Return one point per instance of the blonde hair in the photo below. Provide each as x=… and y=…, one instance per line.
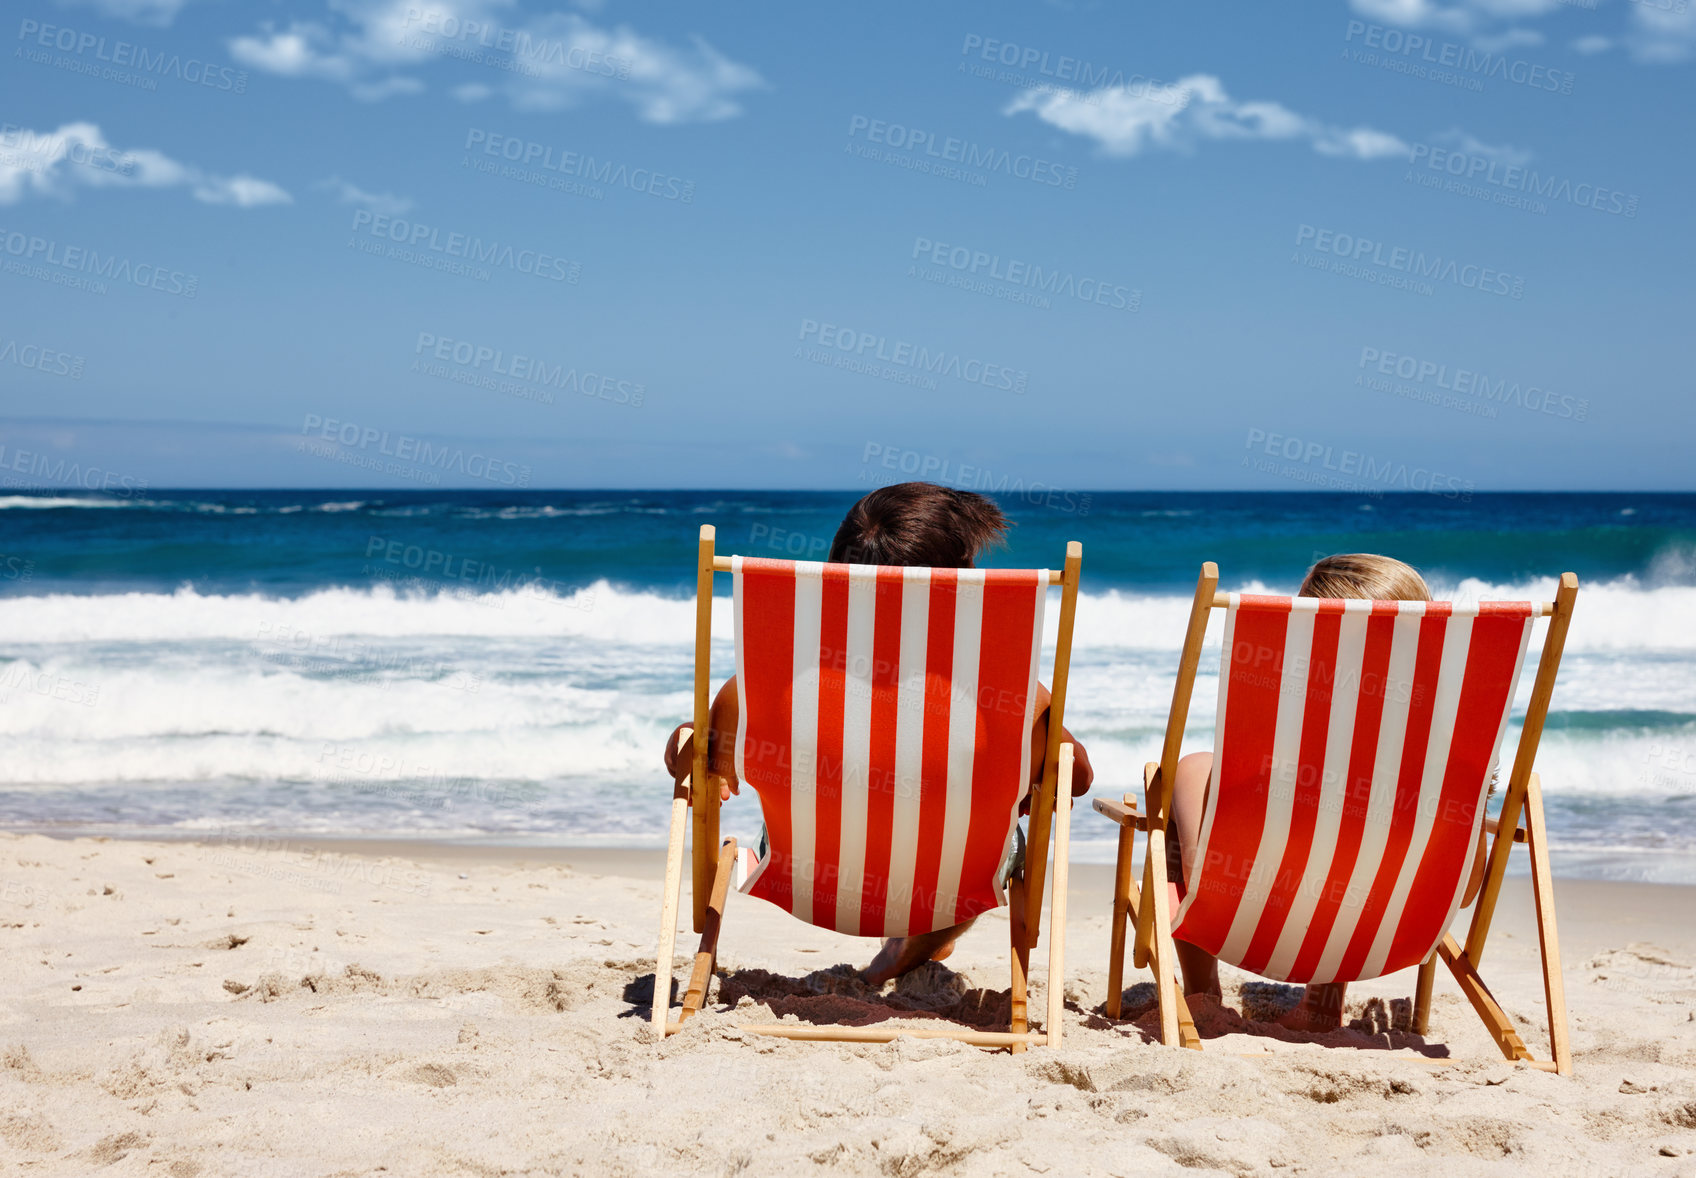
x=1365, y=575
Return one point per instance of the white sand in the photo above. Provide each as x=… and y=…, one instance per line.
x=180, y=1010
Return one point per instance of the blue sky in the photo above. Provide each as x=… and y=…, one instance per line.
x=1388, y=243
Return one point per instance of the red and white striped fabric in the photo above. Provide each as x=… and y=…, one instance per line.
x=1354, y=747
x=885, y=722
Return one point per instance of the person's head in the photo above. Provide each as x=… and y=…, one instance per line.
x=918, y=524
x=1365, y=575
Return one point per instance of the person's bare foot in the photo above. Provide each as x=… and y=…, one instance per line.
x=1201, y=971
x=883, y=967
x=902, y=955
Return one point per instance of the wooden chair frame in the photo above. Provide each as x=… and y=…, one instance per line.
x=1521, y=823
x=712, y=868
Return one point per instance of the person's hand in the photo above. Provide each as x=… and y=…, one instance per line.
x=1083, y=773
x=1083, y=776
x=680, y=762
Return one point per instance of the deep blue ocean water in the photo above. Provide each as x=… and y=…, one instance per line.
x=503, y=667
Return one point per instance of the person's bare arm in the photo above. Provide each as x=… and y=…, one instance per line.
x=721, y=744
x=1083, y=774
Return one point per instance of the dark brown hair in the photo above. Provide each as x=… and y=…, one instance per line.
x=918, y=524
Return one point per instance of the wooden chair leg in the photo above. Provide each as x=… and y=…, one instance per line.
x=1162, y=954
x=1143, y=942
x=1021, y=960
x=668, y=908
x=1122, y=886
x=707, y=956
x=1055, y=1021
x=1495, y=1019
x=1142, y=926
x=1187, y=1035
x=1543, y=892
x=1422, y=994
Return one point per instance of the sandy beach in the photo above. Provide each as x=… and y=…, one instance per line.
x=284, y=1008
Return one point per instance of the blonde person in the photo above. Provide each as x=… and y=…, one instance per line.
x=1357, y=575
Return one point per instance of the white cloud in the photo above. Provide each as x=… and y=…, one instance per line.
x=1415, y=14
x=387, y=88
x=1464, y=18
x=1125, y=120
x=56, y=163
x=242, y=191
x=1662, y=35
x=1507, y=39
x=1505, y=154
x=378, y=202
x=158, y=13
x=541, y=62
x=1362, y=143
x=1657, y=31
x=300, y=51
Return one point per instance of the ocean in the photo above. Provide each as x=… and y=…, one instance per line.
x=503, y=668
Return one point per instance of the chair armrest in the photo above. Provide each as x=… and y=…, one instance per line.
x=1124, y=813
x=1491, y=826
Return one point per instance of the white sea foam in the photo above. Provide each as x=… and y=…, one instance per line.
x=1612, y=617
x=343, y=708
x=44, y=502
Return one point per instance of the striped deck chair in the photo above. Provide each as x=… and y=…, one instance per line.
x=885, y=718
x=1355, y=742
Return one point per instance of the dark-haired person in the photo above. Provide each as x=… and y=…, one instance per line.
x=908, y=524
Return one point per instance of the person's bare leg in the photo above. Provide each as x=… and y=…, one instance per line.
x=1189, y=798
x=1320, y=1008
x=901, y=955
